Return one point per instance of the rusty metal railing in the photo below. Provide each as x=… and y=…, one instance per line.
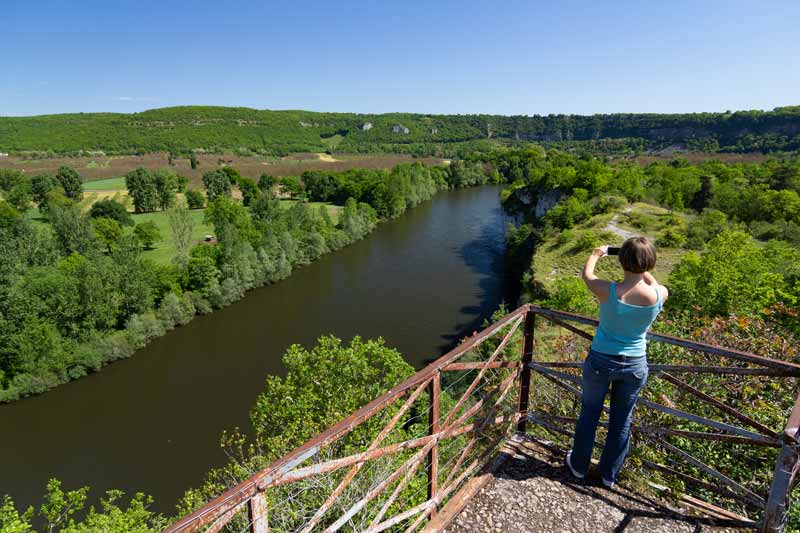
x=656, y=422
x=433, y=432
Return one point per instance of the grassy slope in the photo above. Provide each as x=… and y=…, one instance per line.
x=226, y=128
x=555, y=258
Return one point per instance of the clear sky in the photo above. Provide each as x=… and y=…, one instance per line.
x=506, y=57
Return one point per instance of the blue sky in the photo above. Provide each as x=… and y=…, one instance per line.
x=506, y=57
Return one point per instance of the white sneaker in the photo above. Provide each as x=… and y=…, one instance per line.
x=569, y=464
x=607, y=484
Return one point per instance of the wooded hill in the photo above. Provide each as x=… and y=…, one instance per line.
x=244, y=130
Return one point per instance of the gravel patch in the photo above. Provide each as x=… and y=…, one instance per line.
x=533, y=492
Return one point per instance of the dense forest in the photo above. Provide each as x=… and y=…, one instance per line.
x=181, y=130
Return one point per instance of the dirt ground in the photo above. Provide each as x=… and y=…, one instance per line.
x=94, y=168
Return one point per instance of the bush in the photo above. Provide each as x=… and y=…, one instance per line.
x=142, y=328
x=604, y=204
x=587, y=240
x=195, y=199
x=570, y=294
x=736, y=276
x=110, y=208
x=147, y=233
x=565, y=237
x=671, y=238
x=199, y=302
x=175, y=310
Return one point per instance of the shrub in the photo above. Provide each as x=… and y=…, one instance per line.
x=570, y=294
x=587, y=241
x=565, y=237
x=142, y=328
x=110, y=208
x=671, y=238
x=147, y=233
x=195, y=199
x=175, y=310
x=606, y=203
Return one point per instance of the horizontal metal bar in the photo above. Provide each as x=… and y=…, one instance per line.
x=570, y=327
x=719, y=490
x=478, y=365
x=733, y=485
x=659, y=431
x=691, y=369
x=336, y=464
x=722, y=426
x=692, y=345
x=405, y=515
x=725, y=408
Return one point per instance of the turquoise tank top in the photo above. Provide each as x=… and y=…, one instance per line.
x=623, y=327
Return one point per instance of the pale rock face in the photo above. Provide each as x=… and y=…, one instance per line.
x=547, y=201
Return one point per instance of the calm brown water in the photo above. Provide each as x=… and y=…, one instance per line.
x=152, y=423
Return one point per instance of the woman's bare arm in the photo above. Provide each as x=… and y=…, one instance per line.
x=598, y=286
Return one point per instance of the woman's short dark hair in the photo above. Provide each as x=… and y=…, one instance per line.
x=637, y=255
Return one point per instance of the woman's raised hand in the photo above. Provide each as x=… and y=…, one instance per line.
x=600, y=251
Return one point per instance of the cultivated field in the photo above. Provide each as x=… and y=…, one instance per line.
x=101, y=168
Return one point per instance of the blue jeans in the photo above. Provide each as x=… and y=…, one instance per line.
x=626, y=377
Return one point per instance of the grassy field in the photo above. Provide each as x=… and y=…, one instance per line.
x=108, y=184
x=102, y=173
x=164, y=250
x=562, y=254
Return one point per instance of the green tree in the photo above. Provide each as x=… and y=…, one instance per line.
x=195, y=199
x=20, y=195
x=10, y=178
x=147, y=233
x=71, y=182
x=233, y=175
x=736, y=276
x=183, y=182
x=181, y=225
x=217, y=184
x=42, y=184
x=193, y=161
x=73, y=230
x=266, y=182
x=230, y=219
x=250, y=190
x=108, y=231
x=166, y=183
x=292, y=185
x=60, y=509
x=110, y=208
x=143, y=190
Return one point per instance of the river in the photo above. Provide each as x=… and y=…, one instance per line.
x=152, y=423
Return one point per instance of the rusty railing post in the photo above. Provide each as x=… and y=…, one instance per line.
x=435, y=389
x=525, y=372
x=779, y=499
x=786, y=467
x=257, y=513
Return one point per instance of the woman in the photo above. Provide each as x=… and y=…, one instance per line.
x=617, y=359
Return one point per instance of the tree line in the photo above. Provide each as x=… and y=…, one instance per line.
x=181, y=130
